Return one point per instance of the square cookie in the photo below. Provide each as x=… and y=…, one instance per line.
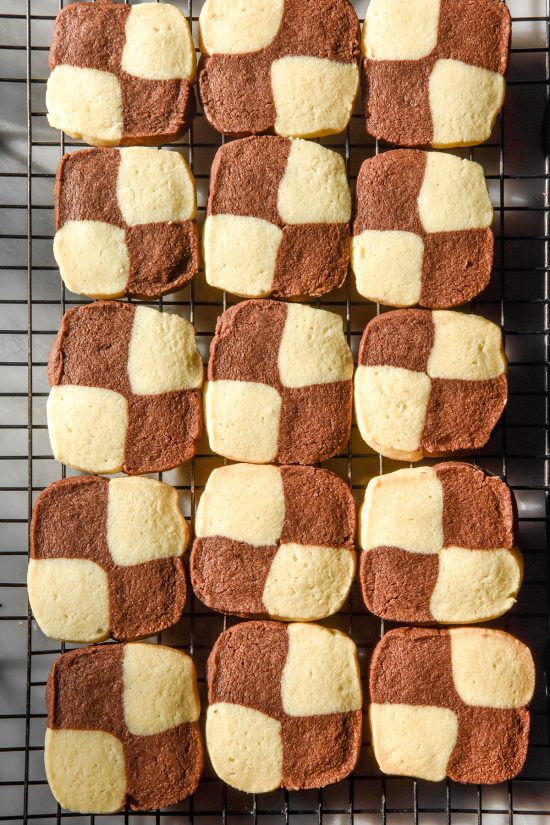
x=106, y=559
x=125, y=222
x=122, y=728
x=284, y=706
x=451, y=703
x=274, y=541
x=121, y=74
x=125, y=391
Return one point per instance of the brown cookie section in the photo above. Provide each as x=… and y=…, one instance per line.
x=398, y=585
x=163, y=431
x=478, y=510
x=155, y=111
x=70, y=521
x=312, y=259
x=91, y=348
x=230, y=576
x=315, y=422
x=462, y=414
x=401, y=338
x=319, y=750
x=245, y=178
x=85, y=187
x=386, y=195
x=246, y=666
x=491, y=745
x=456, y=267
x=396, y=100
x=163, y=257
x=475, y=33
x=319, y=508
x=146, y=598
x=246, y=344
x=236, y=89
x=90, y=36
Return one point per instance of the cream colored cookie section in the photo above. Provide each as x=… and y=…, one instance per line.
x=92, y=258
x=313, y=348
x=403, y=509
x=475, y=585
x=245, y=747
x=314, y=187
x=313, y=96
x=160, y=688
x=240, y=254
x=395, y=30
x=410, y=740
x=321, y=672
x=69, y=599
x=308, y=582
x=158, y=43
x=163, y=355
x=464, y=101
x=239, y=27
x=86, y=104
x=144, y=521
x=242, y=420
x=87, y=427
x=390, y=405
x=491, y=668
x=243, y=502
x=388, y=266
x=453, y=195
x=465, y=346
x=86, y=770
x=154, y=185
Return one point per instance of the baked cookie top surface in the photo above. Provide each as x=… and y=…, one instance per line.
x=284, y=706
x=125, y=222
x=429, y=383
x=451, y=703
x=288, y=66
x=438, y=545
x=122, y=728
x=421, y=229
x=279, y=384
x=277, y=219
x=433, y=70
x=121, y=74
x=106, y=559
x=125, y=391
x=274, y=541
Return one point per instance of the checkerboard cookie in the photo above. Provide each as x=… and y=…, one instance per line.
x=433, y=70
x=284, y=706
x=125, y=389
x=421, y=229
x=288, y=66
x=438, y=545
x=106, y=559
x=429, y=383
x=121, y=74
x=451, y=703
x=122, y=728
x=278, y=215
x=125, y=222
x=279, y=384
x=274, y=541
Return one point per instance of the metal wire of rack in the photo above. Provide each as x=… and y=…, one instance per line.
x=517, y=164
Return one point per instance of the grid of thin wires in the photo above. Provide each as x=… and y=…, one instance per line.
x=517, y=166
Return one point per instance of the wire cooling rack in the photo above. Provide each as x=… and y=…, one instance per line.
x=517, y=164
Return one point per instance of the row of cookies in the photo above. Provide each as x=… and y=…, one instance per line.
x=432, y=70
x=126, y=385
x=277, y=223
x=284, y=710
